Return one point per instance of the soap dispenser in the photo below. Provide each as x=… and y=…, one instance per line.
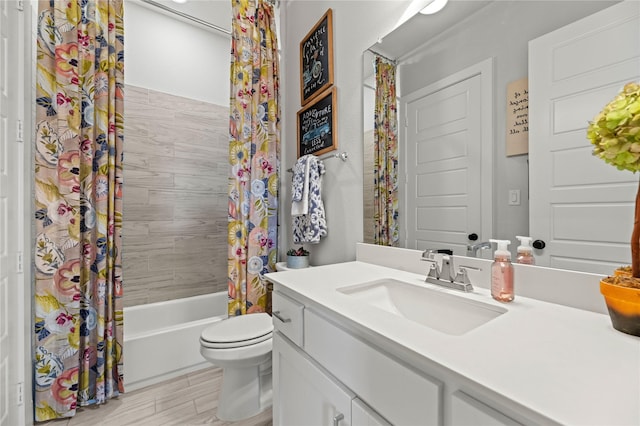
x=525, y=251
x=502, y=273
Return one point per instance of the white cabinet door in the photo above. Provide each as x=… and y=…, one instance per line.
x=466, y=410
x=403, y=395
x=363, y=415
x=448, y=161
x=579, y=205
x=304, y=394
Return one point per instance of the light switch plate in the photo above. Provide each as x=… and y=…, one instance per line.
x=514, y=197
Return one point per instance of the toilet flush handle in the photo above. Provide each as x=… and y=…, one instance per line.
x=277, y=315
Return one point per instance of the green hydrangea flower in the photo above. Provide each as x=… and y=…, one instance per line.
x=615, y=131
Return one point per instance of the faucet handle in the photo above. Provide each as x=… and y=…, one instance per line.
x=435, y=259
x=465, y=267
x=433, y=271
x=462, y=276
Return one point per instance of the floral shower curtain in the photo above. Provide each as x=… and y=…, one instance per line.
x=78, y=203
x=385, y=164
x=254, y=154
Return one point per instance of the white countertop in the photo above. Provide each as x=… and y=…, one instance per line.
x=567, y=364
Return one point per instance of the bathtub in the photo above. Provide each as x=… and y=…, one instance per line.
x=161, y=340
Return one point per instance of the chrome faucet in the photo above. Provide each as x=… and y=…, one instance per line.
x=472, y=249
x=442, y=271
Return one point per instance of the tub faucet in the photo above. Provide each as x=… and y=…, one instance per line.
x=472, y=249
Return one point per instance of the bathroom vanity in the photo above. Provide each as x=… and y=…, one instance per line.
x=362, y=344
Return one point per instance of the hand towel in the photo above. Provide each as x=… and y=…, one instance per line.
x=300, y=186
x=311, y=226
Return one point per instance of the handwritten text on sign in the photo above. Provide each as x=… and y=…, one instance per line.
x=517, y=118
x=316, y=126
x=316, y=62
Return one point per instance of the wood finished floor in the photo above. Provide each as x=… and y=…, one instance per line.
x=191, y=399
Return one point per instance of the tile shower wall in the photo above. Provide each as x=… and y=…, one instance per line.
x=175, y=197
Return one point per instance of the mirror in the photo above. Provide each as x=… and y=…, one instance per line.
x=429, y=48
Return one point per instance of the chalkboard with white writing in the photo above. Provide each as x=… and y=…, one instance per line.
x=317, y=125
x=316, y=59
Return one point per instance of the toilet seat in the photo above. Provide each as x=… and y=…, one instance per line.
x=239, y=331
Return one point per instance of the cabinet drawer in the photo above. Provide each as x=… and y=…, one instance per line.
x=401, y=395
x=288, y=317
x=363, y=415
x=468, y=410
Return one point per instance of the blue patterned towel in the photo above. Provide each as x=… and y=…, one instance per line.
x=300, y=186
x=312, y=225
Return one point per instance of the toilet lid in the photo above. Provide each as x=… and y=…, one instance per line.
x=239, y=331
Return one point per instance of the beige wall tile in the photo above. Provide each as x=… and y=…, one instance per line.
x=199, y=183
x=182, y=227
x=151, y=246
x=148, y=178
x=136, y=94
x=135, y=110
x=184, y=149
x=134, y=229
x=144, y=145
x=146, y=213
x=191, y=211
x=179, y=103
x=196, y=243
x=137, y=195
x=173, y=197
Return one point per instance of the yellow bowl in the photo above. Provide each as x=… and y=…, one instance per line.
x=623, y=304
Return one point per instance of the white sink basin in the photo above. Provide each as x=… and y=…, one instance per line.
x=437, y=310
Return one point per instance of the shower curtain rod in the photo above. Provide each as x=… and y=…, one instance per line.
x=187, y=16
x=393, y=61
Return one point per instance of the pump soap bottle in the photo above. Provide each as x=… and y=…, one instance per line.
x=525, y=251
x=502, y=272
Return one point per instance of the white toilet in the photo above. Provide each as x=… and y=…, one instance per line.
x=241, y=346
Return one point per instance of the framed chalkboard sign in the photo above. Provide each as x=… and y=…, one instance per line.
x=316, y=59
x=317, y=125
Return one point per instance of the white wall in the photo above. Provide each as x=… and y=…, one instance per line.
x=356, y=26
x=172, y=56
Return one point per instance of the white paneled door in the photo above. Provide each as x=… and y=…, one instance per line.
x=448, y=161
x=580, y=206
x=11, y=340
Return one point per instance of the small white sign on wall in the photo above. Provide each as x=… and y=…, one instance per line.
x=517, y=117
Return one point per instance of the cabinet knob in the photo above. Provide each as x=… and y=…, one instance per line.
x=472, y=237
x=337, y=419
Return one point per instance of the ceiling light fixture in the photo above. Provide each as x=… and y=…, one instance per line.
x=433, y=7
x=179, y=1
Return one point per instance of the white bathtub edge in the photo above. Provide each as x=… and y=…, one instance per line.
x=162, y=354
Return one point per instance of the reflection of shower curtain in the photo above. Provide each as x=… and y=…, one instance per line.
x=385, y=163
x=254, y=154
x=78, y=194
